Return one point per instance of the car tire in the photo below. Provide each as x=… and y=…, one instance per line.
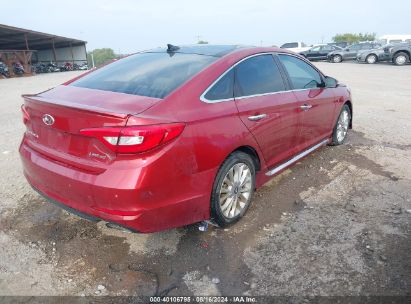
x=341, y=126
x=371, y=59
x=233, y=191
x=401, y=58
x=336, y=59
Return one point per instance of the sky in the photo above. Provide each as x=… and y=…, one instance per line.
x=131, y=25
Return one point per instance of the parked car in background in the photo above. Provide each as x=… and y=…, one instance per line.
x=393, y=39
x=350, y=52
x=341, y=44
x=319, y=52
x=174, y=136
x=296, y=47
x=374, y=55
x=399, y=54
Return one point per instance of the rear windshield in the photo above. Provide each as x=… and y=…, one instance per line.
x=146, y=74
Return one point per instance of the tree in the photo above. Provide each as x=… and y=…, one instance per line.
x=354, y=38
x=101, y=56
x=202, y=42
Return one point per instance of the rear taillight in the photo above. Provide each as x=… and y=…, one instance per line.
x=26, y=115
x=135, y=139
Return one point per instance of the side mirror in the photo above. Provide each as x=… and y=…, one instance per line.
x=347, y=50
x=330, y=82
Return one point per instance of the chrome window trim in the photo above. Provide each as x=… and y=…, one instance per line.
x=305, y=61
x=296, y=158
x=203, y=99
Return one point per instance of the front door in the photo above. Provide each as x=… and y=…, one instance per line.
x=316, y=103
x=266, y=107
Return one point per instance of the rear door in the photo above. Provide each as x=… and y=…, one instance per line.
x=314, y=53
x=316, y=103
x=325, y=50
x=352, y=51
x=266, y=107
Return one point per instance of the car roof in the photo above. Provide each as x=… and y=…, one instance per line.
x=201, y=49
x=218, y=50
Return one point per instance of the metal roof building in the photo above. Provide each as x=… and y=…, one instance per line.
x=27, y=46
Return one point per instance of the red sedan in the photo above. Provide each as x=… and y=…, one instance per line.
x=174, y=136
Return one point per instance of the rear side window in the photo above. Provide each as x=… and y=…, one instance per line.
x=223, y=89
x=146, y=74
x=257, y=75
x=328, y=48
x=302, y=75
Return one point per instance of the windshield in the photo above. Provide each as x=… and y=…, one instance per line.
x=146, y=74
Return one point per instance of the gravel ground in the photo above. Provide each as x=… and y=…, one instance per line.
x=337, y=223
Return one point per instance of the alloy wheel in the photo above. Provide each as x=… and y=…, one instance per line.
x=342, y=125
x=371, y=59
x=235, y=191
x=400, y=60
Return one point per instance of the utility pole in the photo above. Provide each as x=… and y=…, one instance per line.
x=92, y=60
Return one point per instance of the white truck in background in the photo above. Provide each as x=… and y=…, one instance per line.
x=296, y=47
x=392, y=39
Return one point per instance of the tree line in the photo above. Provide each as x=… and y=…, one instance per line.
x=105, y=55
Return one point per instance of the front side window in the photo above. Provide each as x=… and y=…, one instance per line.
x=257, y=75
x=355, y=47
x=223, y=89
x=316, y=49
x=302, y=75
x=146, y=74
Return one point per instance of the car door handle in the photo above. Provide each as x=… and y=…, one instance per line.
x=306, y=107
x=257, y=117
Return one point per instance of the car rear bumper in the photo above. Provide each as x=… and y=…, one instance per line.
x=140, y=199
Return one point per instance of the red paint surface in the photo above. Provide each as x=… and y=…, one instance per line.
x=170, y=185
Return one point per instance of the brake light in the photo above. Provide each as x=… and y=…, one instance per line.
x=26, y=115
x=135, y=139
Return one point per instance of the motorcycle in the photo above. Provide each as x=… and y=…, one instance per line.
x=83, y=67
x=39, y=68
x=51, y=67
x=66, y=67
x=4, y=70
x=18, y=68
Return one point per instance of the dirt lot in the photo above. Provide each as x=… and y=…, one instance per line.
x=337, y=223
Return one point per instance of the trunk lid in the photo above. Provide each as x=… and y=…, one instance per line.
x=55, y=118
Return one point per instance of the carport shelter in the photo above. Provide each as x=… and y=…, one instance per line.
x=28, y=47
